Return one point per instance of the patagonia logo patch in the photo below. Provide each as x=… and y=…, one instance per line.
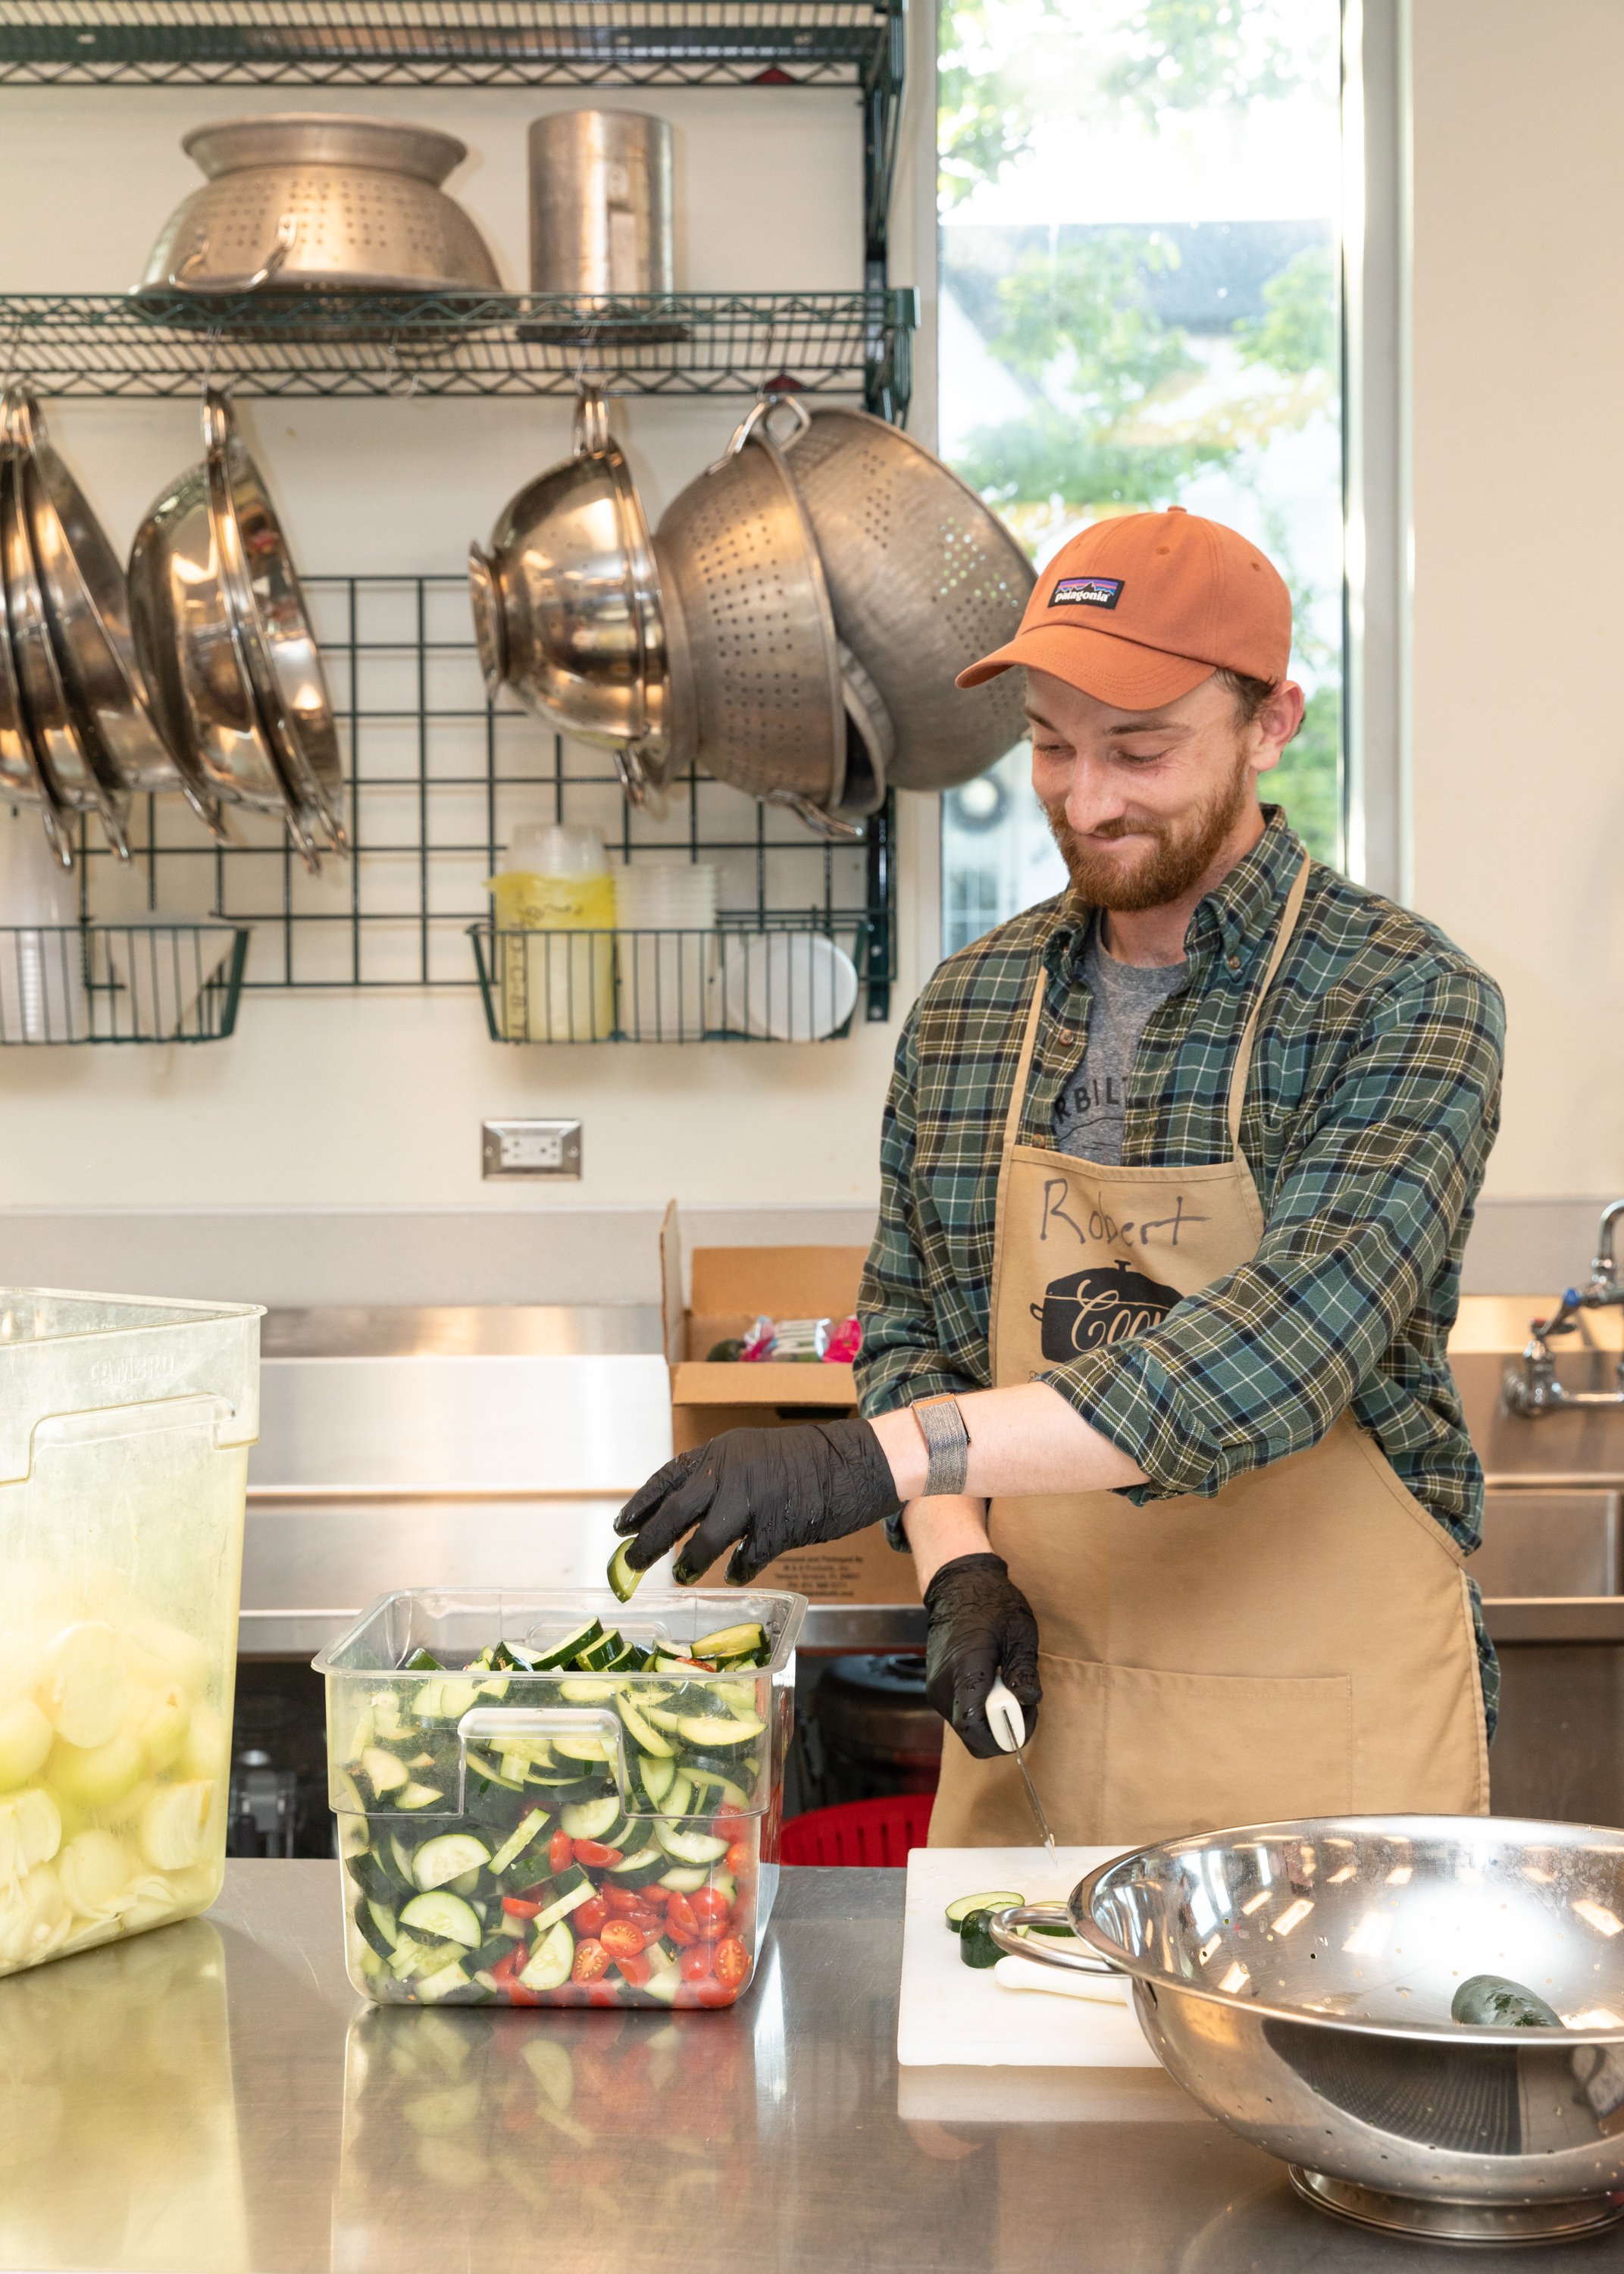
x=1086, y=592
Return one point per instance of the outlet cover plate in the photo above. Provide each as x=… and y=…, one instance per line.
x=529, y=1148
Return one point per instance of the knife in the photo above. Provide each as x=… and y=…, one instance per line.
x=1008, y=1724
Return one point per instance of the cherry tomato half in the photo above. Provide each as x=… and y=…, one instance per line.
x=588, y=1918
x=591, y=1962
x=516, y=1906
x=561, y=1853
x=608, y=1993
x=714, y=1993
x=680, y=1914
x=623, y=1938
x=593, y=1852
x=518, y=1995
x=738, y=1857
x=636, y=1970
x=694, y=1964
x=732, y=1962
x=680, y=1935
x=710, y=1908
x=625, y=1902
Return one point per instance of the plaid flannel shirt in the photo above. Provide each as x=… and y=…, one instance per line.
x=1372, y=1102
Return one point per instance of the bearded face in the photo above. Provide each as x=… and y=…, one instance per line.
x=1170, y=855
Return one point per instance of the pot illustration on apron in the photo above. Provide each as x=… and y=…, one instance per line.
x=1299, y=1642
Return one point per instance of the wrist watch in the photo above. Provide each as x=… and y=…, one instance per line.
x=947, y=1441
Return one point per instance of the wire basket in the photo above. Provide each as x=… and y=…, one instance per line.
x=788, y=980
x=130, y=983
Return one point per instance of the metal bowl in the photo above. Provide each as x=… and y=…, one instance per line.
x=1297, y=1979
x=566, y=601
x=277, y=643
x=87, y=606
x=189, y=645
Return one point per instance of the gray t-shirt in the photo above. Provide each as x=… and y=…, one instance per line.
x=1089, y=1110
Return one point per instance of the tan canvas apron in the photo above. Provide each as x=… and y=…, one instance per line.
x=1300, y=1644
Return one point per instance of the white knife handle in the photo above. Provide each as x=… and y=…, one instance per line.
x=1005, y=1717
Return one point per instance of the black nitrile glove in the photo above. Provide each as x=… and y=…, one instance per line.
x=981, y=1624
x=767, y=1489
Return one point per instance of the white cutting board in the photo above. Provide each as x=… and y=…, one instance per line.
x=954, y=2015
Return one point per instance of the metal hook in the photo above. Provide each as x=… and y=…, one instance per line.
x=398, y=372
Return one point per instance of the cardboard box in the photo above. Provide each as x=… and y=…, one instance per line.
x=731, y=1287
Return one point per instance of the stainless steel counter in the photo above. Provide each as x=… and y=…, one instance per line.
x=214, y=2098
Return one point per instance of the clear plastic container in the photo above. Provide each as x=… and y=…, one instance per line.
x=124, y=1430
x=528, y=1835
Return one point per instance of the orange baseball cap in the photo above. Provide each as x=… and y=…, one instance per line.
x=1139, y=610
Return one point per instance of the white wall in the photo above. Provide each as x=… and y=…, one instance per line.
x=375, y=1100
x=1519, y=571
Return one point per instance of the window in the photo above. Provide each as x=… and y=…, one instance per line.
x=1138, y=266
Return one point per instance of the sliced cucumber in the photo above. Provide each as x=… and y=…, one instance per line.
x=418, y=1796
x=641, y=1729
x=712, y=1788
x=449, y=1979
x=662, y=1717
x=597, y=1654
x=680, y=1799
x=384, y=1771
x=483, y=1765
x=446, y=1915
x=591, y=1819
x=1000, y=1900
x=523, y=1835
x=733, y=1642
x=561, y=1905
x=682, y=1879
x=622, y=1579
x=738, y=1696
x=715, y=1732
x=586, y=1690
x=656, y=1775
x=423, y=1661
x=551, y=1961
x=455, y=1699
x=688, y=1847
x=437, y=1862
x=566, y=1653
x=579, y=1749
x=641, y=1870
x=401, y=1855
x=376, y=1925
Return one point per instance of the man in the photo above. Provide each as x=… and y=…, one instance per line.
x=1182, y=1164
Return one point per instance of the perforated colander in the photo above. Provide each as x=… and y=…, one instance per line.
x=924, y=578
x=768, y=713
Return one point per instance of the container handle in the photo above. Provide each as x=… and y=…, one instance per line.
x=1001, y=1926
x=185, y=278
x=489, y=1725
x=591, y=427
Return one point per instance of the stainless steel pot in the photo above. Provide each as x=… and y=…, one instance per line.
x=1296, y=1979
x=601, y=204
x=87, y=610
x=568, y=608
x=923, y=578
x=739, y=566
x=23, y=779
x=303, y=202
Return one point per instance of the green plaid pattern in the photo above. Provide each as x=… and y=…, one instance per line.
x=1372, y=1102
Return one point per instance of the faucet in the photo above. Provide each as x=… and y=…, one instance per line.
x=1535, y=1390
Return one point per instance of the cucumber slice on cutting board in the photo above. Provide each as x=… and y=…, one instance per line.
x=1001, y=1898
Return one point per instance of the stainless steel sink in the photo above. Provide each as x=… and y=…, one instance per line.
x=1541, y=1544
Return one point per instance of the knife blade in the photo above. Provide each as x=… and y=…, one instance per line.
x=1008, y=1724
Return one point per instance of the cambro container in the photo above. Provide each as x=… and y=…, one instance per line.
x=558, y=1799
x=125, y=1429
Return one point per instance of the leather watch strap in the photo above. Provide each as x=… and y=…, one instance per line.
x=947, y=1441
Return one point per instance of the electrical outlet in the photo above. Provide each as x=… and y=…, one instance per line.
x=529, y=1148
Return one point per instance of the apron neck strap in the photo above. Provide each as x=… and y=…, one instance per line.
x=1277, y=956
x=1023, y=1067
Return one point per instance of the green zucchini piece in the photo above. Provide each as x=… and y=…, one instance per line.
x=712, y=1789
x=446, y=1915
x=423, y=1661
x=1001, y=1898
x=566, y=1653
x=684, y=1847
x=597, y=1653
x=682, y=1879
x=592, y=1819
x=641, y=1870
x=623, y=1581
x=976, y=1946
x=446, y=1984
x=561, y=1905
x=418, y=1796
x=656, y=1774
x=437, y=1862
x=523, y=1835
x=579, y=1749
x=384, y=1771
x=593, y=1689
x=1491, y=2001
x=716, y=1733
x=551, y=1961
x=733, y=1642
x=376, y=1926
x=640, y=1729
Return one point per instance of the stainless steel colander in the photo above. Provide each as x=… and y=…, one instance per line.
x=756, y=638
x=924, y=578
